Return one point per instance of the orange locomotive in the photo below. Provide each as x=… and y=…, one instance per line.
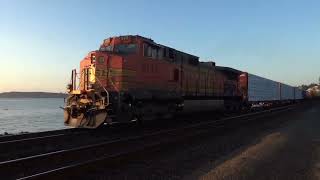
x=133, y=78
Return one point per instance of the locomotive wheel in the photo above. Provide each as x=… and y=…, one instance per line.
x=136, y=111
x=137, y=116
x=139, y=120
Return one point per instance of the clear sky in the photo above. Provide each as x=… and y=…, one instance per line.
x=42, y=40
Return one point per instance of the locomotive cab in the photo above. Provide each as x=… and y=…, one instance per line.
x=94, y=92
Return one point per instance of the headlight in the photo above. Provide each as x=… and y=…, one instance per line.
x=93, y=59
x=69, y=87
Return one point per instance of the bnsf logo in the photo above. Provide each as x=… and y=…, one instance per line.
x=101, y=72
x=115, y=72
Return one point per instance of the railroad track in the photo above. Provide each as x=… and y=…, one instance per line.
x=68, y=162
x=14, y=147
x=16, y=137
x=19, y=143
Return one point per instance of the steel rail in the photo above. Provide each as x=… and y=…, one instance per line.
x=17, y=137
x=21, y=146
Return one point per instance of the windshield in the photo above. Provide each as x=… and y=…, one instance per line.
x=106, y=48
x=121, y=48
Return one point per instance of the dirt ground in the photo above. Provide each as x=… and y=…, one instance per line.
x=289, y=153
x=286, y=147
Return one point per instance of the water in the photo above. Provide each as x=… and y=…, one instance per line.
x=30, y=115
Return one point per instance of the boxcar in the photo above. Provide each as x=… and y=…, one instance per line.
x=287, y=92
x=258, y=89
x=298, y=94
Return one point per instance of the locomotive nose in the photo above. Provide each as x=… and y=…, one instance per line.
x=85, y=111
x=71, y=117
x=88, y=119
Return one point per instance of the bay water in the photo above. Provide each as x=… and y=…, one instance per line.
x=30, y=115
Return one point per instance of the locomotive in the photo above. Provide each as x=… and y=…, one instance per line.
x=132, y=78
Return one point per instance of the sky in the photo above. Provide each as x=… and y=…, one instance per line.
x=41, y=41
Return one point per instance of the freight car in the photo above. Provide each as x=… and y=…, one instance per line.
x=258, y=90
x=132, y=78
x=298, y=94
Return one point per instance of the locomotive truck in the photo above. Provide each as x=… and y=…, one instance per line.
x=132, y=78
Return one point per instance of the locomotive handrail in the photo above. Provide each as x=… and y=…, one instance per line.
x=115, y=87
x=75, y=77
x=101, y=86
x=104, y=90
x=78, y=76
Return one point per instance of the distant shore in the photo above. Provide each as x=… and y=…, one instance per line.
x=32, y=95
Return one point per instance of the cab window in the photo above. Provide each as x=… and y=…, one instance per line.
x=125, y=48
x=151, y=51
